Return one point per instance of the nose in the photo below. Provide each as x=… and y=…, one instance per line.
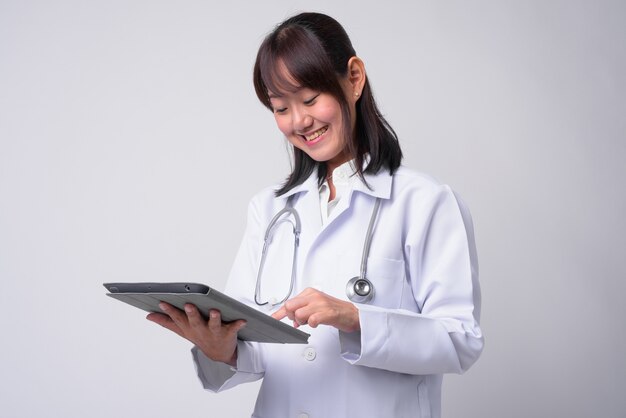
x=301, y=119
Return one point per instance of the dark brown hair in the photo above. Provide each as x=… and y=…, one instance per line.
x=315, y=50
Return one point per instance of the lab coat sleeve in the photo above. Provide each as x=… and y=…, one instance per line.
x=443, y=336
x=217, y=376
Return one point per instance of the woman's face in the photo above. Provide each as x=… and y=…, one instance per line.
x=312, y=121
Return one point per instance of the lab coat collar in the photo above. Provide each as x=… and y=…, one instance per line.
x=310, y=184
x=379, y=185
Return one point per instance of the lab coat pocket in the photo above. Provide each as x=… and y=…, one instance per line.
x=387, y=276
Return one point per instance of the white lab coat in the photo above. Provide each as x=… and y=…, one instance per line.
x=422, y=322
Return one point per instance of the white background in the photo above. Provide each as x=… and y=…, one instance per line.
x=131, y=141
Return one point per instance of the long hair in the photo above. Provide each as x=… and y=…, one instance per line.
x=315, y=49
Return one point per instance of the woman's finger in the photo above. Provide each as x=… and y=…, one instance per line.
x=341, y=315
x=280, y=314
x=193, y=316
x=179, y=318
x=235, y=327
x=160, y=319
x=301, y=315
x=296, y=303
x=215, y=321
x=165, y=321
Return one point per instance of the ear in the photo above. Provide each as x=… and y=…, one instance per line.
x=356, y=76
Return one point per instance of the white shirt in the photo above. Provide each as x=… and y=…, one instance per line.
x=422, y=322
x=343, y=177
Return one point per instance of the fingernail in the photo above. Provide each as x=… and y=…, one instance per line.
x=243, y=325
x=188, y=309
x=163, y=306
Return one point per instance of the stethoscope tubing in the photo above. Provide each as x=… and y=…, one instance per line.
x=351, y=284
x=297, y=227
x=368, y=239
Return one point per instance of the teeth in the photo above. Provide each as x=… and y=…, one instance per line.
x=316, y=134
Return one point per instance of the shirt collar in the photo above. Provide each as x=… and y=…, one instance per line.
x=344, y=174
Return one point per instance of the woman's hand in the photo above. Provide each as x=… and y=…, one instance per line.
x=313, y=307
x=216, y=340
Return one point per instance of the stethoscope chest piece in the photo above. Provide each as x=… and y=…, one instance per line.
x=359, y=290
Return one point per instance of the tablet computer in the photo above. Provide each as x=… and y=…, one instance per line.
x=260, y=327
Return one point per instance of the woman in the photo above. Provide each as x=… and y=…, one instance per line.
x=382, y=357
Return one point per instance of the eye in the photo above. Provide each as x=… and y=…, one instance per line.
x=280, y=110
x=311, y=100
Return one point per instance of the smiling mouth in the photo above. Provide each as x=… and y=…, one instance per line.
x=315, y=134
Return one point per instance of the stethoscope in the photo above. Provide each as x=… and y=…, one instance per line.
x=358, y=289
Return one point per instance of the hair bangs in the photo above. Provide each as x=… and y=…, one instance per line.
x=292, y=59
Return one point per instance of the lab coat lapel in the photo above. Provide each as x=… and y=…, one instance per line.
x=307, y=203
